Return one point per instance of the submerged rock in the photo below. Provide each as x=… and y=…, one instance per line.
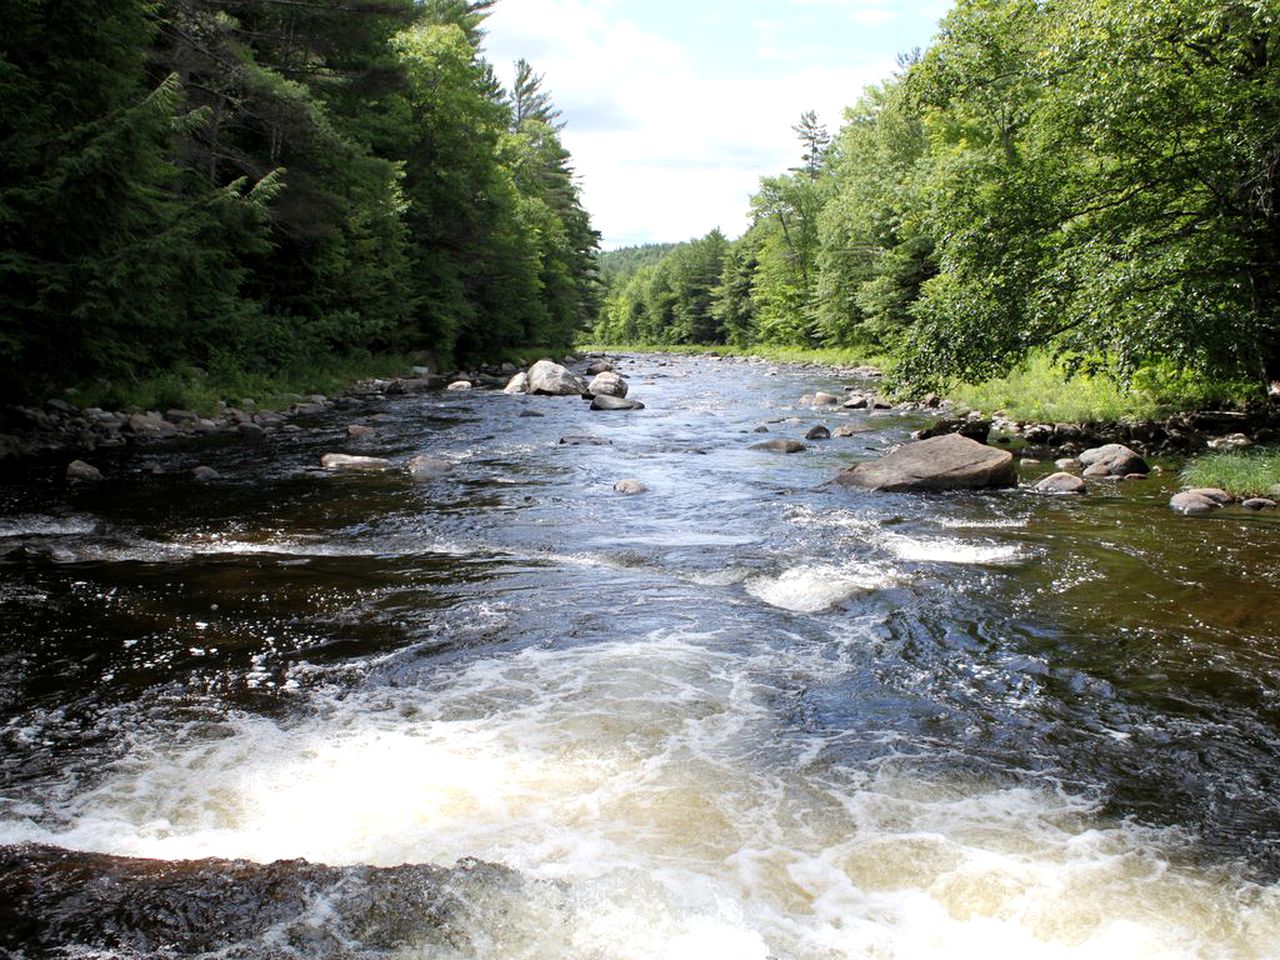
x=585, y=441
x=1259, y=503
x=629, y=487
x=204, y=474
x=949, y=462
x=118, y=906
x=852, y=430
x=427, y=468
x=1192, y=503
x=347, y=463
x=606, y=402
x=780, y=446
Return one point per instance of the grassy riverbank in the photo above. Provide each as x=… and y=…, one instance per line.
x=1037, y=391
x=1244, y=473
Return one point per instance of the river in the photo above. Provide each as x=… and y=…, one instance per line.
x=745, y=714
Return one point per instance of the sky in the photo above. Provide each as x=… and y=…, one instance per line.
x=674, y=109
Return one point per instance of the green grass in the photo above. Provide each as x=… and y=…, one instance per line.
x=191, y=388
x=831, y=356
x=1245, y=473
x=1040, y=390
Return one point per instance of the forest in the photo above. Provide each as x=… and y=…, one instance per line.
x=1090, y=180
x=204, y=187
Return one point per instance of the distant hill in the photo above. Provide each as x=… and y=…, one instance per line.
x=624, y=262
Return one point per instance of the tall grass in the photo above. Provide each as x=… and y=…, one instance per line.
x=1244, y=473
x=1041, y=390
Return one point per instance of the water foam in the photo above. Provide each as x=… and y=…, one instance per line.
x=655, y=779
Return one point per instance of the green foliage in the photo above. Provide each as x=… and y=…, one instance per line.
x=241, y=187
x=1245, y=473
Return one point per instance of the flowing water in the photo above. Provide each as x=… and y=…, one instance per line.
x=743, y=715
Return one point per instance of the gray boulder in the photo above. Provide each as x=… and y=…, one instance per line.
x=1192, y=503
x=600, y=366
x=460, y=385
x=607, y=384
x=517, y=384
x=78, y=470
x=606, y=402
x=1061, y=483
x=551, y=379
x=1112, y=460
x=821, y=399
x=151, y=426
x=780, y=446
x=818, y=433
x=1259, y=503
x=949, y=462
x=629, y=488
x=205, y=474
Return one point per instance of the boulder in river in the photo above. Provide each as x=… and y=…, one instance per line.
x=349, y=464
x=629, y=488
x=459, y=385
x=607, y=384
x=949, y=462
x=1112, y=460
x=204, y=474
x=80, y=471
x=1060, y=483
x=1193, y=503
x=822, y=399
x=851, y=429
x=606, y=402
x=780, y=446
x=517, y=384
x=1259, y=503
x=818, y=433
x=551, y=379
x=599, y=367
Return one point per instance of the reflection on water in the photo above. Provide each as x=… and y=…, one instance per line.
x=743, y=715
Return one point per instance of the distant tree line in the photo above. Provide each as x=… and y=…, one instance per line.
x=248, y=184
x=1094, y=178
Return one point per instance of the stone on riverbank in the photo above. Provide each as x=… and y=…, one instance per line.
x=551, y=379
x=949, y=462
x=1112, y=460
x=348, y=464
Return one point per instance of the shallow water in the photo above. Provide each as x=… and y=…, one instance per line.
x=746, y=714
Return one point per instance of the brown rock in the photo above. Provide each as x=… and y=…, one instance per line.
x=779, y=446
x=949, y=462
x=1061, y=483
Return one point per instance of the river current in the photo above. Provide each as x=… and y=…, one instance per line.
x=746, y=714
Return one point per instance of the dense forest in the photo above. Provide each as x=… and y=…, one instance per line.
x=1095, y=179
x=225, y=185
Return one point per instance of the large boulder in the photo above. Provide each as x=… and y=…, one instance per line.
x=517, y=384
x=554, y=380
x=949, y=462
x=1112, y=460
x=607, y=384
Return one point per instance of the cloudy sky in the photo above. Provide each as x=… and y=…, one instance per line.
x=676, y=108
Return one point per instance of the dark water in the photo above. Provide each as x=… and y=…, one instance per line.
x=744, y=714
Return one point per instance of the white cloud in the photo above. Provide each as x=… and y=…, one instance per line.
x=669, y=139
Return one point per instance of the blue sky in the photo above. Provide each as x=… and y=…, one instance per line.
x=674, y=110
